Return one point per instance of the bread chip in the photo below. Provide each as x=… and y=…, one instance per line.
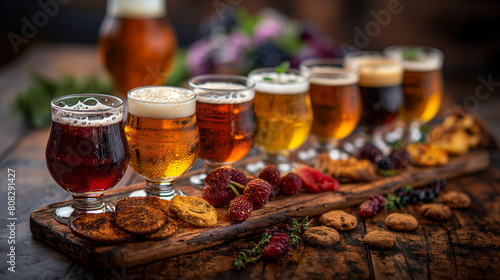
x=426, y=155
x=100, y=228
x=164, y=232
x=348, y=170
x=140, y=219
x=193, y=210
x=151, y=201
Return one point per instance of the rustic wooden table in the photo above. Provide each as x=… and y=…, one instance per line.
x=467, y=246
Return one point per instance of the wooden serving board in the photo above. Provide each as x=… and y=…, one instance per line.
x=190, y=238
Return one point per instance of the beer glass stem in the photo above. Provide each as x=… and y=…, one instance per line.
x=164, y=189
x=282, y=161
x=87, y=204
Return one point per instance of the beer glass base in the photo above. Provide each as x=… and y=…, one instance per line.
x=198, y=181
x=67, y=213
x=162, y=190
x=282, y=162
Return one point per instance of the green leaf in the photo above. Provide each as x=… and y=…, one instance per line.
x=267, y=79
x=280, y=69
x=412, y=53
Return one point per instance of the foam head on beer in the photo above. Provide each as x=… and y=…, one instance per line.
x=136, y=8
x=332, y=76
x=161, y=102
x=78, y=114
x=284, y=83
x=377, y=71
x=223, y=93
x=426, y=59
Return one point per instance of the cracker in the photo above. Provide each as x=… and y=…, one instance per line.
x=100, y=228
x=455, y=199
x=151, y=201
x=321, y=235
x=140, y=219
x=193, y=210
x=380, y=239
x=401, y=222
x=435, y=211
x=164, y=232
x=339, y=220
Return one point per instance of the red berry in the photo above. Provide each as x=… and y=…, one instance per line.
x=239, y=177
x=271, y=174
x=219, y=177
x=367, y=209
x=240, y=208
x=282, y=238
x=285, y=228
x=290, y=184
x=217, y=197
x=379, y=201
x=273, y=251
x=271, y=230
x=257, y=191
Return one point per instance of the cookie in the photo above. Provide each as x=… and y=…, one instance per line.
x=165, y=231
x=140, y=219
x=100, y=228
x=435, y=211
x=193, y=210
x=151, y=201
x=401, y=222
x=339, y=220
x=380, y=239
x=456, y=199
x=321, y=235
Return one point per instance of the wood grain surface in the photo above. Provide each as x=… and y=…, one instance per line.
x=190, y=238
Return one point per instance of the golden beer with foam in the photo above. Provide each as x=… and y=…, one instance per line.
x=161, y=132
x=422, y=82
x=335, y=98
x=283, y=110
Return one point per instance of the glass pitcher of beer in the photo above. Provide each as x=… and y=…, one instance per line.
x=137, y=45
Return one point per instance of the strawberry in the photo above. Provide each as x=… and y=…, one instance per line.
x=240, y=208
x=257, y=191
x=315, y=181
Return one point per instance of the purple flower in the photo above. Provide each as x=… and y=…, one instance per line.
x=199, y=56
x=272, y=26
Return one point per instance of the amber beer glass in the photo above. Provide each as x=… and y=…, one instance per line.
x=380, y=84
x=87, y=151
x=422, y=84
x=225, y=118
x=137, y=45
x=162, y=136
x=335, y=99
x=284, y=115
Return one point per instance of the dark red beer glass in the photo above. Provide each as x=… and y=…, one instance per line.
x=87, y=151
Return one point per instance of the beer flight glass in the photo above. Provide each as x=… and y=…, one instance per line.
x=422, y=86
x=225, y=118
x=162, y=136
x=336, y=104
x=380, y=85
x=284, y=115
x=86, y=153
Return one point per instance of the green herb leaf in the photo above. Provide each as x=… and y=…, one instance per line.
x=267, y=79
x=412, y=53
x=33, y=104
x=283, y=67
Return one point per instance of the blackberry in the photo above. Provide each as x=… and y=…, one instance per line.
x=385, y=163
x=429, y=195
x=400, y=158
x=268, y=54
x=370, y=152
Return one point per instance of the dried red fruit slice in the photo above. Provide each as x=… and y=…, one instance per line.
x=315, y=181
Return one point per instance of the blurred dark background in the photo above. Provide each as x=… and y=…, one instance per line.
x=465, y=30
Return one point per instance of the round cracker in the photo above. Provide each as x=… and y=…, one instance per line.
x=140, y=219
x=164, y=232
x=151, y=201
x=321, y=236
x=100, y=228
x=193, y=210
x=380, y=239
x=339, y=220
